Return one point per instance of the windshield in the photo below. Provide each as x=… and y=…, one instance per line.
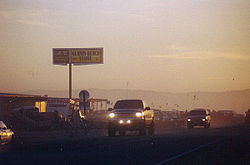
x=129, y=104
x=197, y=112
x=2, y=125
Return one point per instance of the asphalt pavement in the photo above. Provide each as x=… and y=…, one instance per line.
x=226, y=145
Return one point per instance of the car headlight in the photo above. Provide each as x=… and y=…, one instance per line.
x=138, y=114
x=188, y=119
x=82, y=116
x=112, y=115
x=203, y=119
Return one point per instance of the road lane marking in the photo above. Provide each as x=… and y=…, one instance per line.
x=189, y=151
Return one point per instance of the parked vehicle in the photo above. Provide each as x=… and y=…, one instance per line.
x=6, y=135
x=131, y=115
x=198, y=117
x=247, y=117
x=29, y=118
x=157, y=115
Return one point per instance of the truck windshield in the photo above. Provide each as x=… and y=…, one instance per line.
x=2, y=125
x=197, y=112
x=129, y=104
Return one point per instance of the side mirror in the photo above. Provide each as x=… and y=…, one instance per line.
x=147, y=108
x=110, y=109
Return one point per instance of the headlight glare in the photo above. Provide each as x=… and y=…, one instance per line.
x=188, y=119
x=112, y=115
x=138, y=114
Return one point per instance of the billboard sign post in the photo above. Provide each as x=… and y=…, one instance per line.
x=76, y=56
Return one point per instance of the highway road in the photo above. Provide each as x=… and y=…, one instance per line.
x=226, y=145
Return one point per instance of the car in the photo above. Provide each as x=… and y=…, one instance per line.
x=6, y=135
x=26, y=109
x=157, y=115
x=130, y=115
x=247, y=117
x=198, y=117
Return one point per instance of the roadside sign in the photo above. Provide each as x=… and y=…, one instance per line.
x=84, y=104
x=87, y=56
x=84, y=95
x=87, y=105
x=60, y=56
x=77, y=56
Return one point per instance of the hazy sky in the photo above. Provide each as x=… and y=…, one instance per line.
x=161, y=45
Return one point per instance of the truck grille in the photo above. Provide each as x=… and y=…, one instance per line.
x=125, y=115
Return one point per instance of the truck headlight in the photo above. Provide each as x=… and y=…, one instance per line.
x=138, y=114
x=188, y=119
x=203, y=119
x=112, y=115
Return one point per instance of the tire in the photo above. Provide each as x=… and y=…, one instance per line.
x=142, y=131
x=122, y=132
x=12, y=138
x=207, y=126
x=111, y=132
x=151, y=129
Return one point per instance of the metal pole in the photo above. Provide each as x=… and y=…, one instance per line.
x=70, y=91
x=70, y=81
x=84, y=106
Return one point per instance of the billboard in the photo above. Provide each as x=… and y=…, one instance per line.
x=77, y=56
x=61, y=56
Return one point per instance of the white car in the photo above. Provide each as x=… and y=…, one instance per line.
x=6, y=135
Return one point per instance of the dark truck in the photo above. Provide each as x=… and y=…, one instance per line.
x=247, y=117
x=130, y=115
x=198, y=117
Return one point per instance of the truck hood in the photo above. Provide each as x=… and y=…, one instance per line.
x=126, y=110
x=196, y=116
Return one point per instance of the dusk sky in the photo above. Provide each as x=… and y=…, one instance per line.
x=160, y=45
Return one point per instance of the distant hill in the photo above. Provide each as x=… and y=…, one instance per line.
x=230, y=100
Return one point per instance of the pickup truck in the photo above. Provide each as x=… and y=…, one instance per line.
x=198, y=117
x=130, y=115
